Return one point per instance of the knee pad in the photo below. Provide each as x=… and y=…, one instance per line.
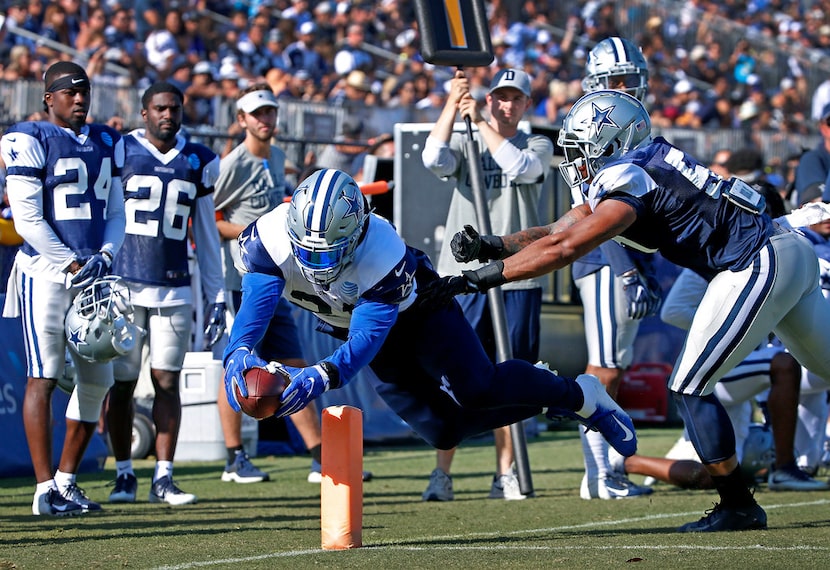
x=708, y=426
x=85, y=402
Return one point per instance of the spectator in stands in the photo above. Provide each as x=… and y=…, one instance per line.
x=719, y=162
x=276, y=44
x=91, y=36
x=198, y=100
x=302, y=55
x=22, y=65
x=160, y=47
x=324, y=19
x=351, y=56
x=254, y=56
x=74, y=17
x=403, y=95
x=119, y=34
x=814, y=164
x=193, y=44
x=344, y=154
x=56, y=29
x=354, y=90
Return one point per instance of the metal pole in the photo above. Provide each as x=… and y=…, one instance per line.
x=494, y=297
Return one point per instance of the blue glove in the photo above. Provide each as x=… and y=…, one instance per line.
x=95, y=267
x=642, y=298
x=241, y=360
x=214, y=325
x=306, y=384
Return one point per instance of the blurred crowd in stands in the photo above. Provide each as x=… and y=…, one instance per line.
x=722, y=64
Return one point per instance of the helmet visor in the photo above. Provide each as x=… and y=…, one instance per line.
x=624, y=82
x=320, y=258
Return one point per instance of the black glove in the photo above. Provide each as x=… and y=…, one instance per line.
x=468, y=245
x=441, y=291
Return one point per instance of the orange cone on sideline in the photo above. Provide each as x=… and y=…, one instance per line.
x=341, y=491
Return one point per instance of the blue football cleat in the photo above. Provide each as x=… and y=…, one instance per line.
x=601, y=413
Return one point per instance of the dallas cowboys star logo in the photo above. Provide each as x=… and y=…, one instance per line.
x=75, y=338
x=353, y=206
x=602, y=118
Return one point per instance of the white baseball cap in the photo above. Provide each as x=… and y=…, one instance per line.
x=252, y=101
x=515, y=78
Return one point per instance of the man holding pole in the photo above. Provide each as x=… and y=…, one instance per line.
x=514, y=165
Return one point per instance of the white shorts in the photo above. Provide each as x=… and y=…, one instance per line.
x=42, y=305
x=609, y=332
x=168, y=339
x=778, y=292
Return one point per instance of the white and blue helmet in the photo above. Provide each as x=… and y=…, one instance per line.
x=758, y=453
x=98, y=324
x=616, y=63
x=325, y=222
x=600, y=127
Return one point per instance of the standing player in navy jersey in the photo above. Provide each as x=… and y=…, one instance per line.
x=326, y=253
x=63, y=180
x=762, y=276
x=167, y=182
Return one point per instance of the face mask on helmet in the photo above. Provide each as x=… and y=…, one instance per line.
x=758, y=453
x=325, y=222
x=616, y=63
x=98, y=326
x=600, y=127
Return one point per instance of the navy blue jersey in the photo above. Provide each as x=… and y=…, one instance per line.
x=683, y=210
x=76, y=175
x=160, y=191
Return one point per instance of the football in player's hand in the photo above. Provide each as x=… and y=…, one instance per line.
x=264, y=391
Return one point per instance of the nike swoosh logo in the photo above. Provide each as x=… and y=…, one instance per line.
x=399, y=271
x=11, y=139
x=629, y=435
x=78, y=80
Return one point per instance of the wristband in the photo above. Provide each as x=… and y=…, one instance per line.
x=332, y=372
x=487, y=277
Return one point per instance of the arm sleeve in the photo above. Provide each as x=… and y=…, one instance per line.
x=116, y=219
x=617, y=257
x=207, y=250
x=260, y=294
x=682, y=301
x=439, y=158
x=369, y=327
x=525, y=166
x=25, y=195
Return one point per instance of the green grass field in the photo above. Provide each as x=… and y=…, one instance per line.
x=277, y=524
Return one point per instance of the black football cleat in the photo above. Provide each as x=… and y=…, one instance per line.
x=722, y=518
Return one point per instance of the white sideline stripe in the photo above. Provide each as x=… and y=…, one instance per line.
x=392, y=545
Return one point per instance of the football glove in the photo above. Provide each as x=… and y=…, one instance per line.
x=214, y=325
x=94, y=267
x=642, y=296
x=441, y=291
x=241, y=360
x=468, y=245
x=306, y=384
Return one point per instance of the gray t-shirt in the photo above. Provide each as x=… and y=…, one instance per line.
x=248, y=187
x=512, y=206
